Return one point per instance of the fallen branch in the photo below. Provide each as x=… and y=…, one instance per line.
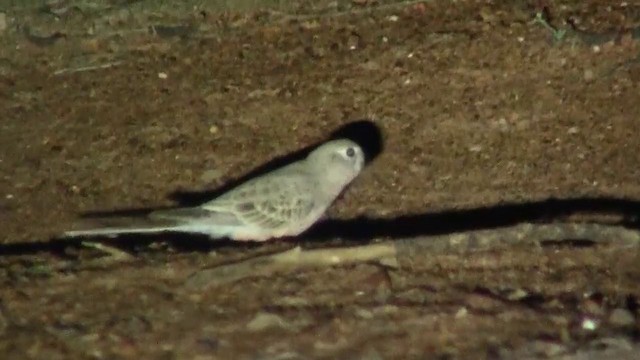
x=295, y=258
x=403, y=252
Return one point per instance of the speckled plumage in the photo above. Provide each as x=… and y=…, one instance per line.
x=284, y=202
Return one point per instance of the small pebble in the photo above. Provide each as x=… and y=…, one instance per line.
x=621, y=318
x=589, y=324
x=517, y=295
x=588, y=75
x=263, y=321
x=548, y=348
x=364, y=313
x=462, y=312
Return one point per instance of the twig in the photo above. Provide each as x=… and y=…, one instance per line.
x=295, y=258
x=114, y=254
x=86, y=68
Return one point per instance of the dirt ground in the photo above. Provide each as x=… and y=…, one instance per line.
x=487, y=119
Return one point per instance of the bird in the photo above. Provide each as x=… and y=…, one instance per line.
x=282, y=203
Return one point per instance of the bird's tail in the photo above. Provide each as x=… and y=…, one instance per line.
x=112, y=227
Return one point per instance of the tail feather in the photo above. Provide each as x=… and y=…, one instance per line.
x=113, y=232
x=112, y=227
x=188, y=220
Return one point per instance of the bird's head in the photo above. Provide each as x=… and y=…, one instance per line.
x=338, y=161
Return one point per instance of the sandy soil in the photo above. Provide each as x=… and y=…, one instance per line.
x=484, y=118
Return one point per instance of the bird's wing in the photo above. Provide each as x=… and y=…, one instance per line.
x=271, y=202
x=196, y=214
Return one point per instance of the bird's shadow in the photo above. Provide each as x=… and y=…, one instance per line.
x=364, y=132
x=488, y=217
x=364, y=229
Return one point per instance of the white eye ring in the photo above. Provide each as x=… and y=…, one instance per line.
x=350, y=152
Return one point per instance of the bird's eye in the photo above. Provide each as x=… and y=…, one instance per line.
x=350, y=152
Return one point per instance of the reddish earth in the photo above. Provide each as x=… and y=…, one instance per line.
x=478, y=107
